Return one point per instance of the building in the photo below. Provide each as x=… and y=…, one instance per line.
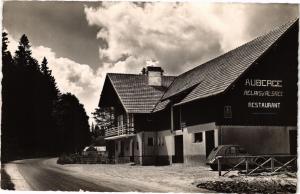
x=247, y=96
x=131, y=99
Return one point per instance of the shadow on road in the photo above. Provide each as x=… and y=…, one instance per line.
x=6, y=183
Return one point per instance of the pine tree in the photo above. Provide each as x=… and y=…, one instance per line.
x=48, y=95
x=26, y=79
x=72, y=121
x=50, y=79
x=23, y=54
x=36, y=118
x=8, y=142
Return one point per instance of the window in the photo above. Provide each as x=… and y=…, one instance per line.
x=198, y=137
x=231, y=151
x=131, y=120
x=227, y=112
x=120, y=120
x=241, y=150
x=150, y=141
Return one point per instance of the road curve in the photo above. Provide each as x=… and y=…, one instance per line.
x=41, y=177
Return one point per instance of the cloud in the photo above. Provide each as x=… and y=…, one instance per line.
x=79, y=79
x=179, y=35
x=12, y=43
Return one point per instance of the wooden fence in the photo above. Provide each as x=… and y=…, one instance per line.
x=254, y=164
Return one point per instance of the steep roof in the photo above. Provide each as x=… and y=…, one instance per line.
x=135, y=93
x=215, y=76
x=210, y=78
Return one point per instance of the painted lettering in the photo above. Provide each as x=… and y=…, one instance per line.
x=267, y=93
x=263, y=83
x=275, y=105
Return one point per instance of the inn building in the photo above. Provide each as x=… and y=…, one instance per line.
x=247, y=96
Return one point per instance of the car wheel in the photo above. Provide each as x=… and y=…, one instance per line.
x=214, y=167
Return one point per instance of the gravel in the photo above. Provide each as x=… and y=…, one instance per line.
x=263, y=183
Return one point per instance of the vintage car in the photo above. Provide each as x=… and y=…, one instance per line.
x=226, y=150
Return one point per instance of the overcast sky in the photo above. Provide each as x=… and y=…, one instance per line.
x=84, y=40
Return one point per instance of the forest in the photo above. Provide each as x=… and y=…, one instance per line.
x=37, y=119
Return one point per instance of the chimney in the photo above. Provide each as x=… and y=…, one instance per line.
x=154, y=74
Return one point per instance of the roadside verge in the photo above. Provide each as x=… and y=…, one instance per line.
x=16, y=178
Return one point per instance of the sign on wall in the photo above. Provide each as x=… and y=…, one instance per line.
x=264, y=94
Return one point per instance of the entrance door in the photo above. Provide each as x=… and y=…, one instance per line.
x=178, y=158
x=122, y=149
x=132, y=151
x=210, y=141
x=293, y=142
x=111, y=149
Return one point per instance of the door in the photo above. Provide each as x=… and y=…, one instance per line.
x=132, y=151
x=122, y=149
x=111, y=149
x=209, y=141
x=178, y=158
x=293, y=142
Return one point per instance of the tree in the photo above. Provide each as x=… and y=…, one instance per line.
x=72, y=121
x=23, y=54
x=48, y=93
x=8, y=142
x=104, y=118
x=51, y=83
x=28, y=100
x=26, y=79
x=36, y=119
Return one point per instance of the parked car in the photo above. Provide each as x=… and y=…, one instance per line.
x=226, y=150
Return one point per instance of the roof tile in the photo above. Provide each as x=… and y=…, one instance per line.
x=135, y=93
x=217, y=75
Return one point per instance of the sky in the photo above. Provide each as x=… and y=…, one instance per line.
x=85, y=40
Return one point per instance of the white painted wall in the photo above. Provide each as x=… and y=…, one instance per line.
x=150, y=150
x=138, y=150
x=191, y=148
x=167, y=149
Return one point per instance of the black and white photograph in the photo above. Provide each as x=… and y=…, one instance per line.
x=158, y=96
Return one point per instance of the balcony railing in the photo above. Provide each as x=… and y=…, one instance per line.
x=120, y=130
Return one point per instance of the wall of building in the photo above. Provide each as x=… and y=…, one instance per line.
x=137, y=143
x=149, y=150
x=200, y=111
x=195, y=152
x=165, y=147
x=266, y=94
x=125, y=156
x=258, y=139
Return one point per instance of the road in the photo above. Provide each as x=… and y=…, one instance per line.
x=41, y=177
x=45, y=175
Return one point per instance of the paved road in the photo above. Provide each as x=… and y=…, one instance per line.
x=41, y=177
